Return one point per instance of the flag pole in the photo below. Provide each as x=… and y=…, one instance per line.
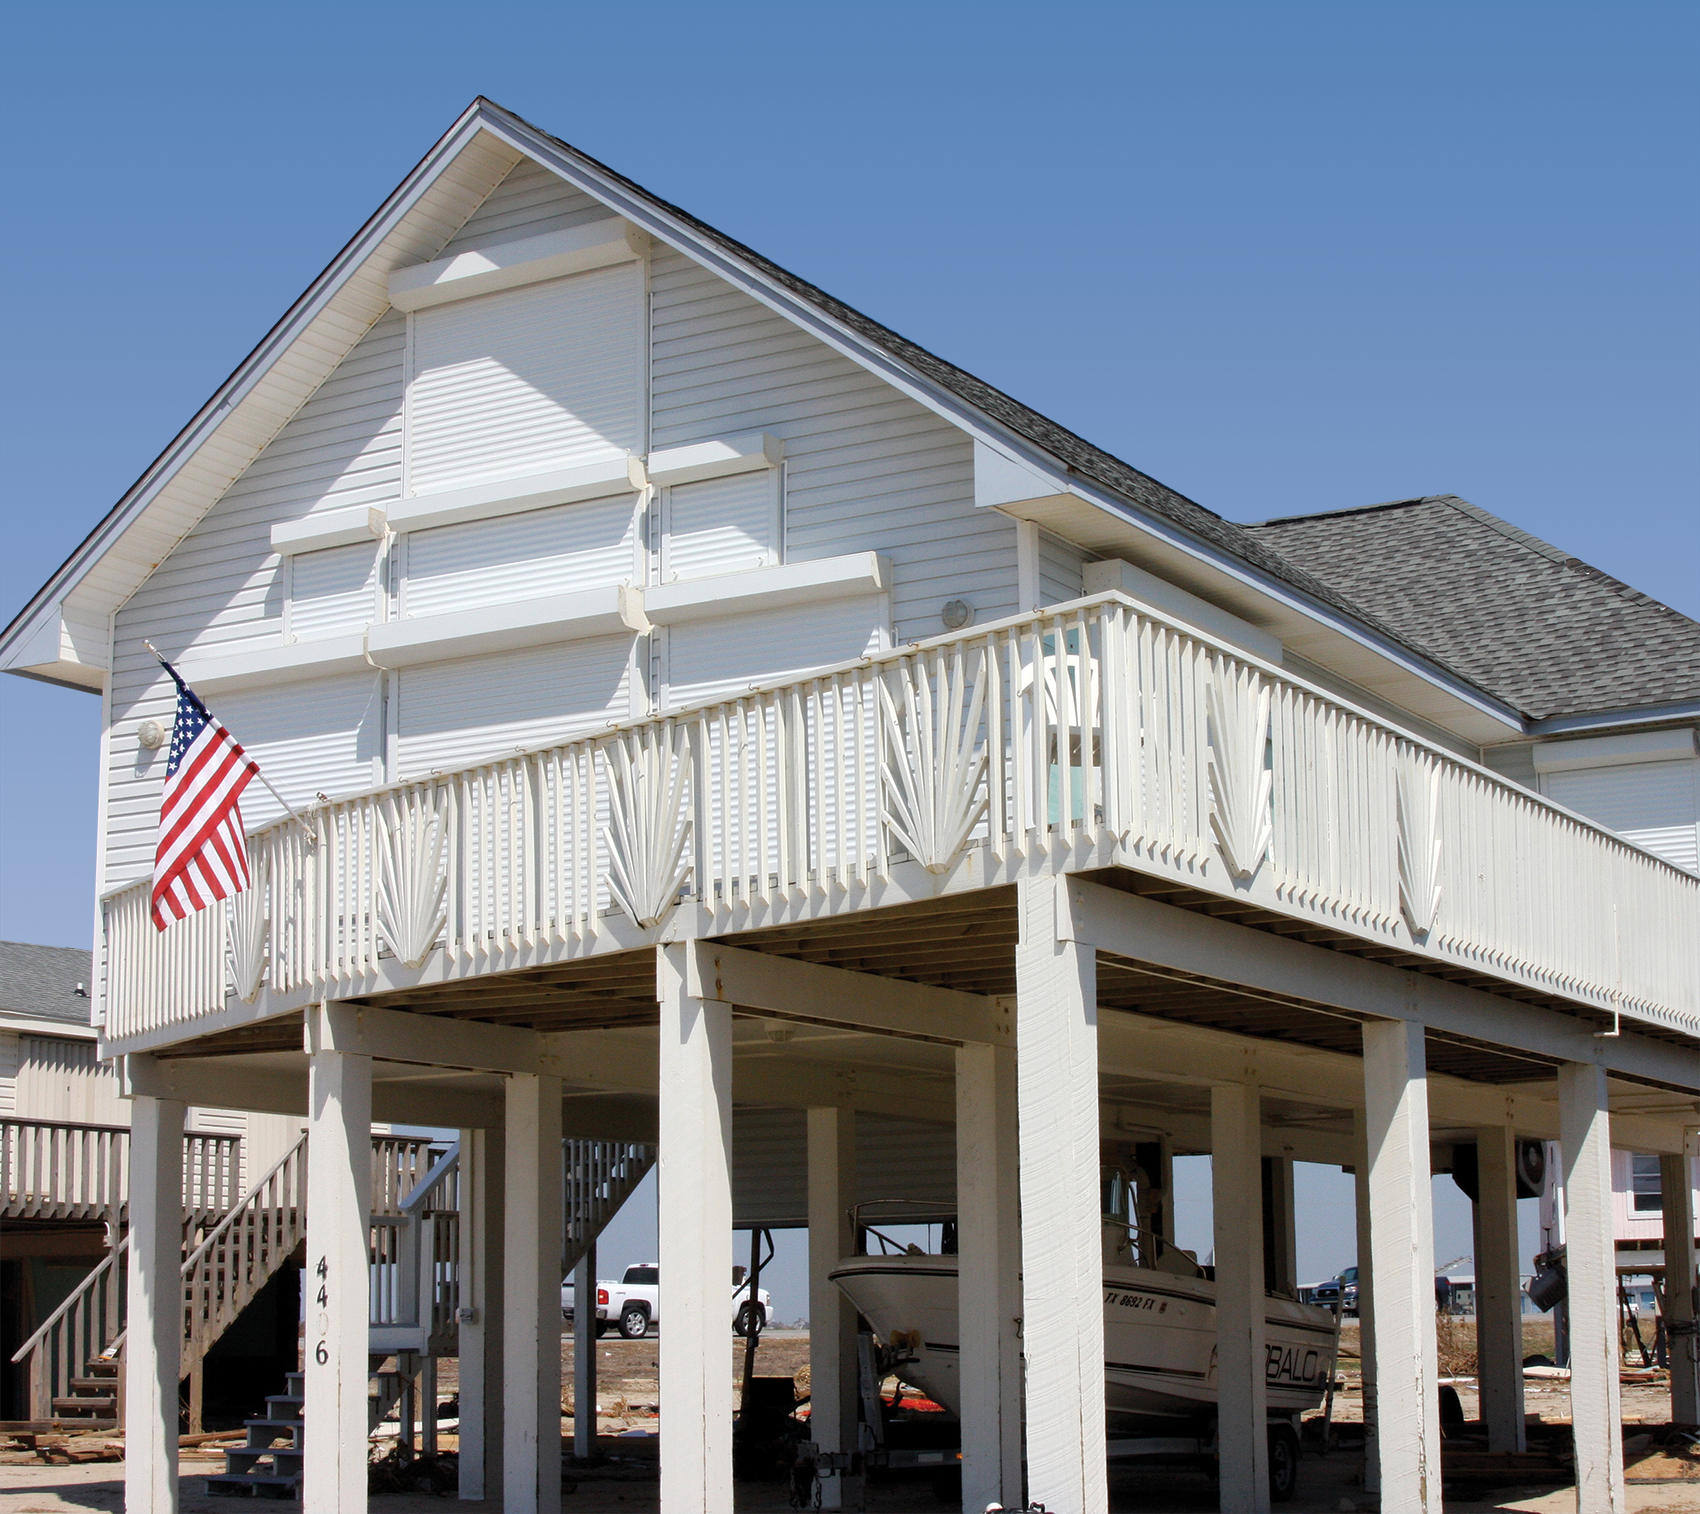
x=259, y=772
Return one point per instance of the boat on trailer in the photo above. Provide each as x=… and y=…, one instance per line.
x=1159, y=1338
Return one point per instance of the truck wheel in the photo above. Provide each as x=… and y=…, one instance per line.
x=1283, y=1462
x=634, y=1322
x=747, y=1313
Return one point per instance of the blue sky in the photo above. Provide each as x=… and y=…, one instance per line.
x=1284, y=258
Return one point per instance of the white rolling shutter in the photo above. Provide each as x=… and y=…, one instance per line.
x=722, y=525
x=553, y=551
x=455, y=714
x=527, y=380
x=334, y=591
x=1652, y=803
x=710, y=659
x=325, y=737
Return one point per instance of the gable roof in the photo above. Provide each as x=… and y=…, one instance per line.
x=42, y=981
x=61, y=634
x=1539, y=628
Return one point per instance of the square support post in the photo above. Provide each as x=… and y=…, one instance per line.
x=481, y=1413
x=1056, y=1011
x=531, y=1294
x=1242, y=1393
x=1366, y=1301
x=988, y=1243
x=584, y=1355
x=832, y=1317
x=694, y=1193
x=337, y=1287
x=153, y=1349
x=1499, y=1289
x=1401, y=1209
x=1283, y=1225
x=1676, y=1183
x=1596, y=1408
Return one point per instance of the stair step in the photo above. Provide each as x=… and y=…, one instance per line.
x=101, y=1366
x=75, y=1406
x=276, y=1426
x=96, y=1385
x=252, y=1485
x=283, y=1463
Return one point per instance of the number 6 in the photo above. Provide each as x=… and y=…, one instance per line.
x=321, y=1353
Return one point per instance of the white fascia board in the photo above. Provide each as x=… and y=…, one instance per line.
x=507, y=265
x=1176, y=604
x=325, y=658
x=1614, y=751
x=768, y=588
x=44, y=1025
x=329, y=528
x=506, y=627
x=514, y=496
x=1601, y=720
x=748, y=452
x=45, y=652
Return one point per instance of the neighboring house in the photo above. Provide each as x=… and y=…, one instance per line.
x=719, y=725
x=64, y=1138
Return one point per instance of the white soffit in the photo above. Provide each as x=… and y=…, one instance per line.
x=747, y=452
x=1614, y=751
x=1177, y=604
x=514, y=496
x=507, y=265
x=329, y=528
x=768, y=588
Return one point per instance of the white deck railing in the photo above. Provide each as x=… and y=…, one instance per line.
x=1095, y=732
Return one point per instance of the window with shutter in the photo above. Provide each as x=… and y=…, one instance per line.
x=721, y=525
x=333, y=592
x=527, y=380
x=1646, y=1186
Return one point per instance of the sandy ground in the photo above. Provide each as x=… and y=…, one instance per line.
x=625, y=1482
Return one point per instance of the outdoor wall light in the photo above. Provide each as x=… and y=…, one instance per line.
x=956, y=614
x=151, y=734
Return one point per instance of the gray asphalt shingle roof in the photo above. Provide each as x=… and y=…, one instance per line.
x=1519, y=618
x=42, y=980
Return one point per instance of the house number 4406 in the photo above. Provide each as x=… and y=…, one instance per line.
x=322, y=1351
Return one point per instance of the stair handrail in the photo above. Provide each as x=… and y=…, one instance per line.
x=105, y=1265
x=414, y=1202
x=415, y=1262
x=242, y=1203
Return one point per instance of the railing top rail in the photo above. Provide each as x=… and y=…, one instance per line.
x=416, y=1199
x=214, y=1235
x=69, y=1125
x=106, y=1262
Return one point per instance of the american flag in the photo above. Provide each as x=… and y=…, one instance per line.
x=201, y=856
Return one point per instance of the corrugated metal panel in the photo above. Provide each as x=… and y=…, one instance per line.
x=721, y=525
x=710, y=659
x=508, y=384
x=1652, y=803
x=222, y=586
x=895, y=1159
x=453, y=714
x=334, y=591
x=325, y=737
x=485, y=562
x=1060, y=564
x=8, y=1072
x=61, y=1079
x=527, y=203
x=866, y=468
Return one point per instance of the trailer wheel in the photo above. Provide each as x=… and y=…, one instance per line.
x=1283, y=1462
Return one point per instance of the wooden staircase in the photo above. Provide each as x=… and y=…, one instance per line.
x=92, y=1402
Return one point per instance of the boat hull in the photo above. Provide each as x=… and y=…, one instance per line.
x=1159, y=1338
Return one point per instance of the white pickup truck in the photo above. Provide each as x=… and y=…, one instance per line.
x=634, y=1303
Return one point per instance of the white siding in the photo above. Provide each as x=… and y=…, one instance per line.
x=324, y=737
x=453, y=714
x=520, y=382
x=1653, y=803
x=709, y=659
x=8, y=1072
x=554, y=551
x=222, y=588
x=865, y=467
x=60, y=1079
x=334, y=591
x=529, y=202
x=1060, y=565
x=721, y=525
